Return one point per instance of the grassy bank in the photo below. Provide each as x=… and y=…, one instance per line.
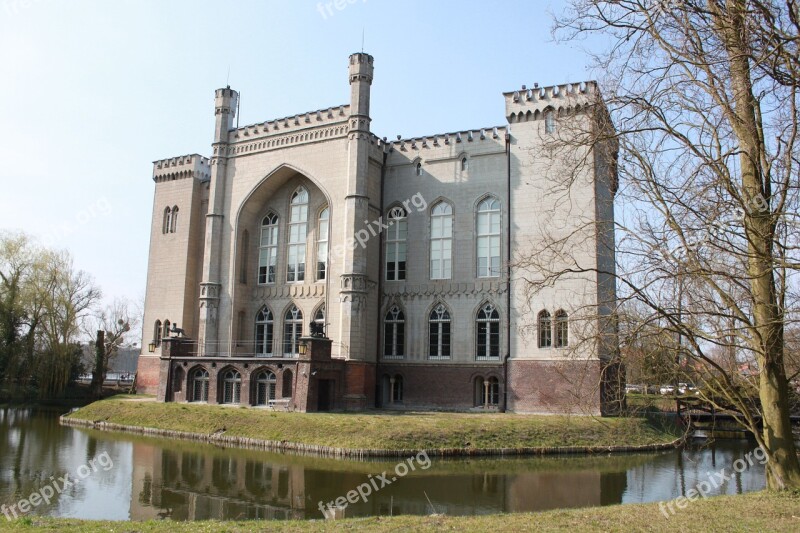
x=399, y=431
x=750, y=512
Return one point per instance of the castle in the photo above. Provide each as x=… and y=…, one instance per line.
x=314, y=266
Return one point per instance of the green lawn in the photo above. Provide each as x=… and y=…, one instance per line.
x=759, y=511
x=401, y=431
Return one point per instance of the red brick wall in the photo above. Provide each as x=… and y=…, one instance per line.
x=439, y=386
x=554, y=387
x=147, y=374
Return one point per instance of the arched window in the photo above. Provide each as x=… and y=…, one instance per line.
x=157, y=333
x=199, y=381
x=265, y=387
x=319, y=319
x=394, y=334
x=549, y=121
x=439, y=333
x=322, y=244
x=165, y=334
x=298, y=230
x=397, y=389
x=287, y=384
x=488, y=238
x=487, y=333
x=167, y=220
x=268, y=249
x=174, y=223
x=396, y=245
x=464, y=164
x=419, y=169
x=265, y=332
x=487, y=392
x=231, y=386
x=441, y=241
x=562, y=329
x=292, y=331
x=545, y=330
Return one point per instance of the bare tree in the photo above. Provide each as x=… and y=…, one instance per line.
x=112, y=325
x=699, y=126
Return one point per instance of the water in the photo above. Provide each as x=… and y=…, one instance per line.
x=123, y=477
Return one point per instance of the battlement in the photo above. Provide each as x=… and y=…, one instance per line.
x=310, y=119
x=182, y=167
x=444, y=139
x=530, y=104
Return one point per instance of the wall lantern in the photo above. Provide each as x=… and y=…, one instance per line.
x=152, y=346
x=302, y=347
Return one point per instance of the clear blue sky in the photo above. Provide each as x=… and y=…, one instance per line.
x=93, y=91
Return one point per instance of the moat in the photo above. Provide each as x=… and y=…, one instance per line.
x=138, y=478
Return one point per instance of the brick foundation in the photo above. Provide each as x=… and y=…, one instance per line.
x=147, y=374
x=555, y=387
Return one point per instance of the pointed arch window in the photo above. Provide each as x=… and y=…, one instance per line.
x=439, y=333
x=562, y=329
x=265, y=333
x=488, y=238
x=174, y=222
x=268, y=249
x=394, y=334
x=319, y=320
x=442, y=241
x=464, y=164
x=298, y=230
x=265, y=387
x=292, y=331
x=418, y=169
x=199, y=381
x=396, y=245
x=487, y=333
x=545, y=330
x=167, y=224
x=165, y=333
x=322, y=244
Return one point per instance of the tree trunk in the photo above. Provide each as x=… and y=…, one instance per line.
x=98, y=374
x=783, y=469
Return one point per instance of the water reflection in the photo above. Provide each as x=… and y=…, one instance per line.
x=156, y=478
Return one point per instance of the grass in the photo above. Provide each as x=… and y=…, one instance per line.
x=760, y=511
x=380, y=430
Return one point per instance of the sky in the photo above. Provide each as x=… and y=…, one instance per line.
x=92, y=92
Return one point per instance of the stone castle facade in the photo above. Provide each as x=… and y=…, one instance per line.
x=404, y=258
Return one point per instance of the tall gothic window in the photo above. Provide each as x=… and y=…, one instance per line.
x=298, y=230
x=562, y=329
x=157, y=333
x=439, y=332
x=268, y=249
x=487, y=333
x=292, y=331
x=442, y=241
x=488, y=238
x=545, y=330
x=167, y=224
x=322, y=244
x=394, y=334
x=244, y=256
x=319, y=318
x=396, y=246
x=174, y=223
x=265, y=328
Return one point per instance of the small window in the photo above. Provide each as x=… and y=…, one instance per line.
x=464, y=164
x=167, y=224
x=199, y=383
x=549, y=121
x=174, y=223
x=397, y=389
x=419, y=169
x=157, y=333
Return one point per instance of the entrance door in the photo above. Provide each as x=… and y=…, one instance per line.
x=324, y=390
